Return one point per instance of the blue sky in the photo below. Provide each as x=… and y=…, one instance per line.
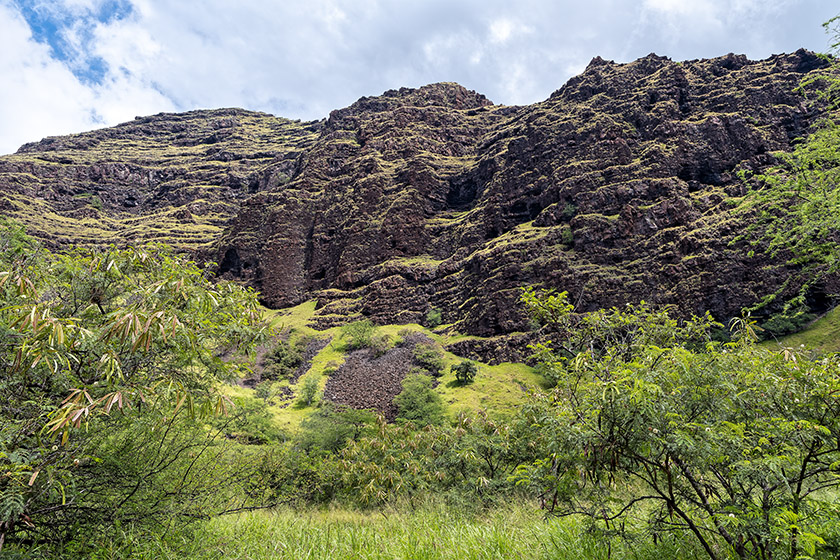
x=74, y=65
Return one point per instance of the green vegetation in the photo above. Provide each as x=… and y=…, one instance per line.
x=429, y=533
x=418, y=403
x=797, y=201
x=111, y=359
x=434, y=318
x=308, y=389
x=652, y=421
x=282, y=360
x=654, y=442
x=822, y=336
x=430, y=358
x=359, y=334
x=465, y=372
x=129, y=427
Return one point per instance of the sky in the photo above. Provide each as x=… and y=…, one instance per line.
x=68, y=66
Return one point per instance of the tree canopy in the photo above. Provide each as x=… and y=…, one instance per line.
x=88, y=336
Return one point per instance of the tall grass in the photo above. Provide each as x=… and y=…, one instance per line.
x=429, y=533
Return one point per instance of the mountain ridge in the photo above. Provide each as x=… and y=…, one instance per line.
x=617, y=188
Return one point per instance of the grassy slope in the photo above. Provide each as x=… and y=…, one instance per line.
x=821, y=336
x=498, y=388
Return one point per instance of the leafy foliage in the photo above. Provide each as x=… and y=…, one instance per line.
x=471, y=461
x=86, y=335
x=434, y=318
x=429, y=357
x=796, y=202
x=418, y=402
x=733, y=444
x=358, y=334
x=331, y=427
x=282, y=361
x=465, y=371
x=308, y=389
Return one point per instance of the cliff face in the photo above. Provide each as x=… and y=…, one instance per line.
x=177, y=178
x=617, y=188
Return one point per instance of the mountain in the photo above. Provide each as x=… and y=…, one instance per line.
x=619, y=187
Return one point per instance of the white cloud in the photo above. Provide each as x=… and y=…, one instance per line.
x=502, y=30
x=302, y=58
x=39, y=96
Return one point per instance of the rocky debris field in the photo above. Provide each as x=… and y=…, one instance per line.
x=367, y=381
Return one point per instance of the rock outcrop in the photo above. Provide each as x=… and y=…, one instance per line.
x=619, y=187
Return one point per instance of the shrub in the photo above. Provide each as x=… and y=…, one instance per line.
x=249, y=423
x=418, y=402
x=331, y=427
x=282, y=361
x=434, y=318
x=465, y=372
x=567, y=238
x=358, y=334
x=381, y=343
x=730, y=443
x=430, y=357
x=308, y=389
x=269, y=391
x=569, y=211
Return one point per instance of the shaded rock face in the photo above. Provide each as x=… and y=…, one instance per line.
x=617, y=188
x=177, y=178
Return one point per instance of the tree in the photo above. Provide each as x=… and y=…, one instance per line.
x=731, y=443
x=797, y=201
x=86, y=336
x=465, y=371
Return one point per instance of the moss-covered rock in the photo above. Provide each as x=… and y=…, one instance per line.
x=617, y=188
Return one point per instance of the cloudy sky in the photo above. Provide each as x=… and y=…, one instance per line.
x=74, y=65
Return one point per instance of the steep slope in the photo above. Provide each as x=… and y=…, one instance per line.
x=177, y=178
x=617, y=188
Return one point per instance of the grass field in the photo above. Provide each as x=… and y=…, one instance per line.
x=429, y=533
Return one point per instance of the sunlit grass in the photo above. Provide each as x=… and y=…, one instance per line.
x=821, y=336
x=429, y=533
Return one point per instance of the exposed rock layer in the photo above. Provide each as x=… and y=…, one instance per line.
x=617, y=188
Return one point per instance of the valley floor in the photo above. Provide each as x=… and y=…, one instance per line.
x=427, y=533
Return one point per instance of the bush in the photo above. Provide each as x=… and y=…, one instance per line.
x=331, y=427
x=429, y=356
x=567, y=238
x=107, y=357
x=250, y=423
x=434, y=318
x=788, y=322
x=270, y=391
x=381, y=343
x=358, y=335
x=418, y=402
x=730, y=443
x=465, y=372
x=308, y=389
x=282, y=361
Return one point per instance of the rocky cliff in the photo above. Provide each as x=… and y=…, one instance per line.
x=617, y=188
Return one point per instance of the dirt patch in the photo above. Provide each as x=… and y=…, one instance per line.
x=365, y=381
